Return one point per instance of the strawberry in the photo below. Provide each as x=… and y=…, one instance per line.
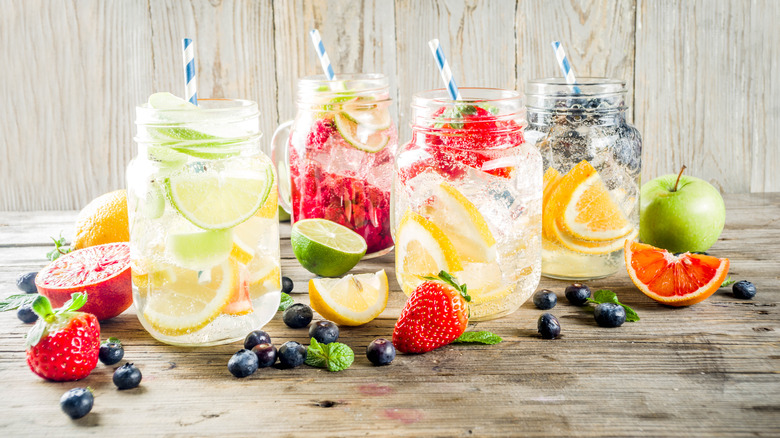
x=435, y=315
x=64, y=344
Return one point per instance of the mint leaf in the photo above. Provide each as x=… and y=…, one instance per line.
x=334, y=356
x=728, y=282
x=631, y=315
x=316, y=355
x=59, y=249
x=483, y=337
x=13, y=302
x=607, y=296
x=286, y=302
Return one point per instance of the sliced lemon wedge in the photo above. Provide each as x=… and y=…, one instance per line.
x=351, y=300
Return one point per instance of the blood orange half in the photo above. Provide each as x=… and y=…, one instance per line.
x=102, y=271
x=674, y=280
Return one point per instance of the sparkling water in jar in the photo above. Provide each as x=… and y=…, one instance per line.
x=592, y=162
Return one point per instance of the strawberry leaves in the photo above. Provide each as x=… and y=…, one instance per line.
x=447, y=278
x=42, y=307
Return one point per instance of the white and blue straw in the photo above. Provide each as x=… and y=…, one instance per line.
x=322, y=54
x=444, y=69
x=190, y=79
x=563, y=61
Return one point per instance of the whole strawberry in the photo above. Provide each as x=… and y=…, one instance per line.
x=64, y=344
x=435, y=315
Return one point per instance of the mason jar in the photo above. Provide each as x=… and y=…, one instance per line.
x=468, y=198
x=338, y=153
x=204, y=235
x=592, y=161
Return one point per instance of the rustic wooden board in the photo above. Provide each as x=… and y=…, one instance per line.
x=709, y=370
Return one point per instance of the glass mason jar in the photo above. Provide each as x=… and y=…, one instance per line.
x=339, y=154
x=592, y=161
x=468, y=198
x=204, y=235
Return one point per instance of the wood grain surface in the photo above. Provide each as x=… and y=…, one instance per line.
x=701, y=74
x=712, y=369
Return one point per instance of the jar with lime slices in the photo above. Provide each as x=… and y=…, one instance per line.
x=339, y=153
x=204, y=237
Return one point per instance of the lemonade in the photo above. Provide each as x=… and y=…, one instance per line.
x=204, y=238
x=592, y=160
x=468, y=199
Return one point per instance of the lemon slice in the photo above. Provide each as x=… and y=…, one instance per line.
x=264, y=276
x=192, y=299
x=422, y=249
x=591, y=247
x=462, y=223
x=352, y=300
x=591, y=214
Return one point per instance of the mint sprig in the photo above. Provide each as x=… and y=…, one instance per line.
x=13, y=302
x=59, y=249
x=286, y=302
x=334, y=356
x=482, y=337
x=607, y=296
x=728, y=282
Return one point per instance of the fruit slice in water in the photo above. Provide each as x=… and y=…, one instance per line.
x=361, y=137
x=371, y=116
x=102, y=271
x=213, y=201
x=674, y=280
x=591, y=247
x=326, y=248
x=422, y=249
x=462, y=223
x=192, y=299
x=264, y=276
x=352, y=300
x=199, y=250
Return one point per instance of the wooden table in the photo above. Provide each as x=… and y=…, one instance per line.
x=711, y=369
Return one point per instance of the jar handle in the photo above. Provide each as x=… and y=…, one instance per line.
x=280, y=156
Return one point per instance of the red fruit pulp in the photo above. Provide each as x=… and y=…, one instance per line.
x=102, y=271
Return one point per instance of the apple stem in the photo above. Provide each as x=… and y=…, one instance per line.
x=679, y=175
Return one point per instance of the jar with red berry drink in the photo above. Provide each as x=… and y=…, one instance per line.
x=338, y=154
x=467, y=198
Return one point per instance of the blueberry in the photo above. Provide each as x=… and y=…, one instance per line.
x=298, y=315
x=287, y=285
x=610, y=315
x=243, y=363
x=77, y=402
x=26, y=283
x=744, y=289
x=380, y=352
x=127, y=376
x=256, y=337
x=292, y=354
x=324, y=331
x=266, y=355
x=578, y=294
x=111, y=351
x=26, y=314
x=548, y=326
x=545, y=299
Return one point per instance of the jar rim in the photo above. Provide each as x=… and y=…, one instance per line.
x=440, y=96
x=215, y=107
x=587, y=85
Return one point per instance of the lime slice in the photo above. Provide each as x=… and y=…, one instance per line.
x=326, y=248
x=368, y=140
x=374, y=117
x=201, y=250
x=215, y=201
x=166, y=156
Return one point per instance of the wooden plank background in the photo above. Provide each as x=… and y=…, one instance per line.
x=699, y=73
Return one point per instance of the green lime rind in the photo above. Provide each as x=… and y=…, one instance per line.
x=348, y=130
x=200, y=250
x=194, y=143
x=326, y=248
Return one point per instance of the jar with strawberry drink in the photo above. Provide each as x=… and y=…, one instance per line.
x=592, y=159
x=467, y=198
x=339, y=153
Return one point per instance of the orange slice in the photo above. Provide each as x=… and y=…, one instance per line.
x=591, y=247
x=674, y=280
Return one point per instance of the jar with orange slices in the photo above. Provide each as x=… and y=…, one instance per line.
x=592, y=163
x=467, y=199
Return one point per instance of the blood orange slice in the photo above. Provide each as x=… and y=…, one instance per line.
x=674, y=280
x=102, y=271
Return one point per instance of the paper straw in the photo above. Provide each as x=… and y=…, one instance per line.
x=322, y=54
x=444, y=69
x=563, y=61
x=190, y=79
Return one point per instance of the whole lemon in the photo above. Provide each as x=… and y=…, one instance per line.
x=103, y=220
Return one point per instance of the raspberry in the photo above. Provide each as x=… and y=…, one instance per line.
x=321, y=130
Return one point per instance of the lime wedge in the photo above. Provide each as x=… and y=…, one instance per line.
x=326, y=248
x=201, y=250
x=218, y=201
x=375, y=117
x=369, y=141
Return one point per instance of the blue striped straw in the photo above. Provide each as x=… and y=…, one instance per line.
x=322, y=54
x=190, y=79
x=563, y=61
x=444, y=69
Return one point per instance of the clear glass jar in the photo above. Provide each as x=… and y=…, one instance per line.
x=204, y=235
x=592, y=161
x=468, y=198
x=339, y=153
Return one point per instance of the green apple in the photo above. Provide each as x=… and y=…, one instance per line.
x=680, y=213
